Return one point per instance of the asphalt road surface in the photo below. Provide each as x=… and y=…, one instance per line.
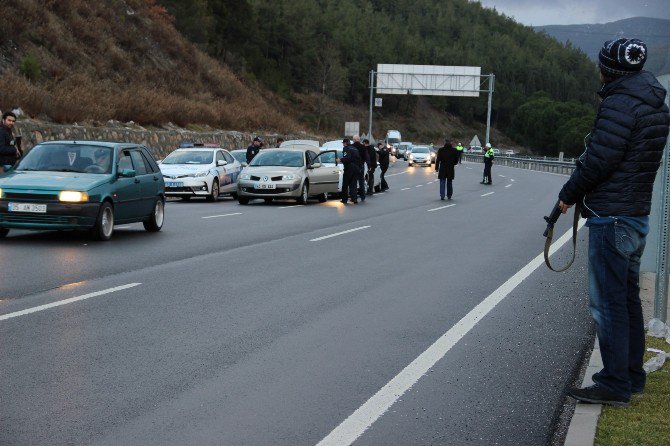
x=403, y=320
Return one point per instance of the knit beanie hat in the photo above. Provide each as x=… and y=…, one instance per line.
x=622, y=56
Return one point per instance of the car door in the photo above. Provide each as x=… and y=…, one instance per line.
x=146, y=183
x=233, y=169
x=127, y=196
x=327, y=177
x=155, y=187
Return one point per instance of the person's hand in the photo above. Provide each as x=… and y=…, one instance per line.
x=564, y=207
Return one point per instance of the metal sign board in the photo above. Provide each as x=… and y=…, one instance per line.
x=378, y=102
x=431, y=80
x=475, y=142
x=352, y=128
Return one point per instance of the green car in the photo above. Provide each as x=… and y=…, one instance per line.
x=89, y=185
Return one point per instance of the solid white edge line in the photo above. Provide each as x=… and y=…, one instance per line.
x=338, y=233
x=358, y=422
x=223, y=215
x=66, y=301
x=441, y=207
x=489, y=193
x=292, y=206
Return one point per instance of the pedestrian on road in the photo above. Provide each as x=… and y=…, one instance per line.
x=9, y=152
x=363, y=154
x=446, y=159
x=488, y=163
x=613, y=182
x=351, y=161
x=459, y=147
x=253, y=149
x=384, y=154
x=372, y=165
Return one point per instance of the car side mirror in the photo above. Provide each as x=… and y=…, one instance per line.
x=220, y=163
x=315, y=165
x=244, y=164
x=128, y=173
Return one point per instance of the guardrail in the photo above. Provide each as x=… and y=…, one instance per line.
x=542, y=165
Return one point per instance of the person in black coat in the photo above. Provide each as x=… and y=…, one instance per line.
x=253, y=149
x=613, y=183
x=9, y=152
x=363, y=154
x=384, y=153
x=445, y=160
x=351, y=161
x=372, y=165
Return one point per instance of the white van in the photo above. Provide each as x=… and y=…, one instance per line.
x=393, y=137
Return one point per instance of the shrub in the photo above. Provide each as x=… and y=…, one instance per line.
x=30, y=67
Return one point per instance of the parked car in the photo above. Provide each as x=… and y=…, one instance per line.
x=403, y=147
x=200, y=171
x=88, y=185
x=329, y=160
x=420, y=155
x=288, y=172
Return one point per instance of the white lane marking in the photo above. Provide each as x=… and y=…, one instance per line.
x=512, y=180
x=359, y=421
x=223, y=215
x=393, y=174
x=484, y=195
x=502, y=176
x=509, y=185
x=430, y=182
x=441, y=207
x=67, y=301
x=419, y=185
x=406, y=188
x=339, y=233
x=292, y=206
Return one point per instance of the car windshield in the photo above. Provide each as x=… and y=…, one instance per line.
x=240, y=156
x=420, y=150
x=279, y=158
x=329, y=157
x=189, y=157
x=68, y=158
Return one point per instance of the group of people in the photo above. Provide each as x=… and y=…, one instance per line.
x=356, y=157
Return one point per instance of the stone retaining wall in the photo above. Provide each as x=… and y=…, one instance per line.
x=161, y=142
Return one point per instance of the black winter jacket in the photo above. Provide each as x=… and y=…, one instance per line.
x=7, y=146
x=445, y=160
x=615, y=175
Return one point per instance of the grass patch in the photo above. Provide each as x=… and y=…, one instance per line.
x=647, y=420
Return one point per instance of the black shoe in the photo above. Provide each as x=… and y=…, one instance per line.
x=354, y=201
x=597, y=395
x=482, y=182
x=442, y=198
x=448, y=198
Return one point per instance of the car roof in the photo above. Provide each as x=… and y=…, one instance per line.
x=92, y=143
x=294, y=142
x=196, y=149
x=297, y=148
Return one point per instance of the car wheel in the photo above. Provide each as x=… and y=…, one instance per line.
x=302, y=199
x=267, y=200
x=215, y=191
x=323, y=197
x=234, y=195
x=155, y=222
x=243, y=200
x=4, y=232
x=104, y=225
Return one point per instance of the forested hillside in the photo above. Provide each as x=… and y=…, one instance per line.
x=329, y=46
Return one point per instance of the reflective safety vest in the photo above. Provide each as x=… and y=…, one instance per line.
x=489, y=153
x=459, y=148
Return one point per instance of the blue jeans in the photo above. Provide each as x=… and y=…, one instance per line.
x=615, y=248
x=450, y=188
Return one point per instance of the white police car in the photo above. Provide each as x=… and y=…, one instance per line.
x=200, y=170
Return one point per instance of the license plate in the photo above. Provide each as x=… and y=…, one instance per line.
x=265, y=186
x=28, y=207
x=174, y=184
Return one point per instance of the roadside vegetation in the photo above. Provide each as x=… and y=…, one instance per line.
x=645, y=422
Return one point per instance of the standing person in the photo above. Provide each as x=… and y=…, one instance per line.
x=459, y=147
x=363, y=153
x=372, y=165
x=9, y=152
x=446, y=159
x=253, y=149
x=613, y=183
x=352, y=162
x=488, y=163
x=384, y=153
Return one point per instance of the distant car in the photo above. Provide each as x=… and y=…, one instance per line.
x=509, y=152
x=496, y=152
x=200, y=172
x=403, y=147
x=475, y=149
x=420, y=155
x=89, y=185
x=288, y=172
x=433, y=154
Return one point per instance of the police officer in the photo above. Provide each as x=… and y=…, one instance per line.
x=384, y=153
x=372, y=165
x=459, y=148
x=253, y=149
x=352, y=165
x=488, y=162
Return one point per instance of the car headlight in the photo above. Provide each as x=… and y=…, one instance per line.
x=290, y=177
x=245, y=176
x=1, y=194
x=72, y=196
x=411, y=156
x=200, y=174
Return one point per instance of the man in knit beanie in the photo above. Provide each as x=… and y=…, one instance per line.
x=613, y=185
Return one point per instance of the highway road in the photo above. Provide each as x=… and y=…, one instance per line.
x=403, y=320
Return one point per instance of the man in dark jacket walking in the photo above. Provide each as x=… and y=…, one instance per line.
x=352, y=165
x=613, y=183
x=384, y=154
x=9, y=152
x=445, y=160
x=372, y=165
x=363, y=154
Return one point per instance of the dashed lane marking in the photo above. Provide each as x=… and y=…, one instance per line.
x=441, y=207
x=67, y=301
x=398, y=173
x=406, y=188
x=489, y=193
x=223, y=215
x=509, y=185
x=339, y=233
x=419, y=185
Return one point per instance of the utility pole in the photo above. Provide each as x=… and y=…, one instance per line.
x=488, y=113
x=372, y=83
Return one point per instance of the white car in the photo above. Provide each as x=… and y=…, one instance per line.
x=420, y=155
x=200, y=171
x=329, y=160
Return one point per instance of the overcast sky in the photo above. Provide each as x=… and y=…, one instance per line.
x=569, y=12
